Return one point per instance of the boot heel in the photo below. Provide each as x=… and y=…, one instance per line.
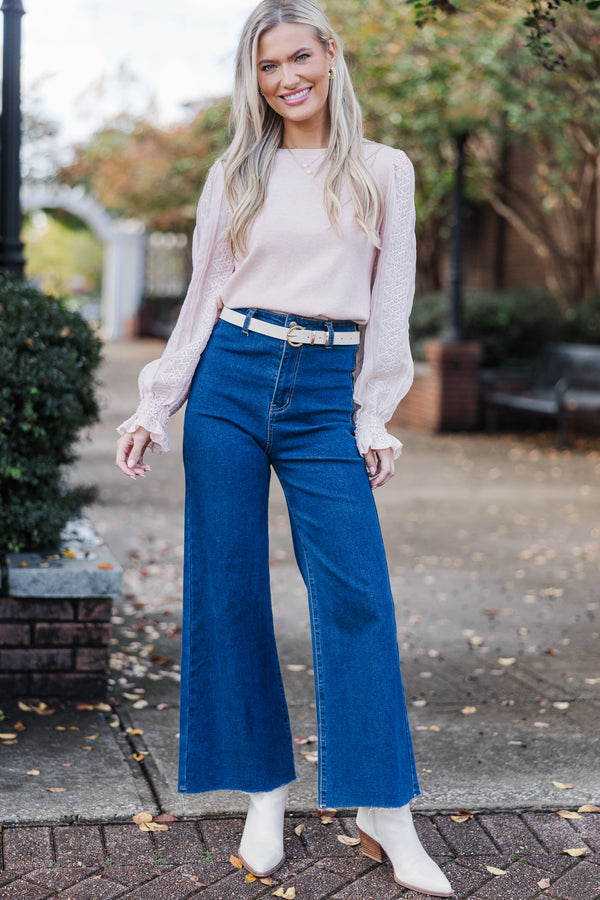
x=371, y=848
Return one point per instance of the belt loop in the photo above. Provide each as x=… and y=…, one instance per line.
x=246, y=324
x=330, y=334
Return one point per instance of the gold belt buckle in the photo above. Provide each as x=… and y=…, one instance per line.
x=294, y=327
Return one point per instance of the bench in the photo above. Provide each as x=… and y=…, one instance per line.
x=564, y=380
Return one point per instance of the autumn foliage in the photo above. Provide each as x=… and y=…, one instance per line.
x=138, y=169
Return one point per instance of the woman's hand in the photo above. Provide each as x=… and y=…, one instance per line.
x=130, y=453
x=380, y=465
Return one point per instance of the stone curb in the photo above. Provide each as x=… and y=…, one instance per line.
x=84, y=567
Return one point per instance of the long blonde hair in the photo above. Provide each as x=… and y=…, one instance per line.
x=258, y=130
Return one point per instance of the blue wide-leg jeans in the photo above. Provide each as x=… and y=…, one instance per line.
x=257, y=402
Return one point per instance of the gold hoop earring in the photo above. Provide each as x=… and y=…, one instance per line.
x=331, y=73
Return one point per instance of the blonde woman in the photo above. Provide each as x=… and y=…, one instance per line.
x=304, y=232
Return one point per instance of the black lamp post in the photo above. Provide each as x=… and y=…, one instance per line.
x=453, y=332
x=11, y=248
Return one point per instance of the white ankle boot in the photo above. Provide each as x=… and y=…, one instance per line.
x=390, y=833
x=261, y=847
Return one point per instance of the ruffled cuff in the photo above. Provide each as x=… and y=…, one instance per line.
x=152, y=416
x=373, y=435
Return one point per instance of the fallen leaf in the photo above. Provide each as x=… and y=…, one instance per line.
x=494, y=871
x=468, y=710
x=507, y=660
x=142, y=817
x=18, y=726
x=544, y=883
x=153, y=826
x=591, y=680
x=236, y=862
x=561, y=704
x=24, y=707
x=140, y=704
x=576, y=851
x=92, y=737
x=131, y=696
x=475, y=641
x=460, y=819
x=268, y=881
x=249, y=878
x=66, y=765
x=105, y=566
x=287, y=895
x=58, y=790
x=567, y=814
x=299, y=829
x=541, y=725
x=589, y=808
x=349, y=841
x=293, y=667
x=310, y=757
x=434, y=728
x=7, y=736
x=165, y=817
x=562, y=785
x=33, y=772
x=70, y=554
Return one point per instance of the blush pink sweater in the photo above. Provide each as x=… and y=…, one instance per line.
x=296, y=262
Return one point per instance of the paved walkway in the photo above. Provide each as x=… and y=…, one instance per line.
x=489, y=857
x=493, y=549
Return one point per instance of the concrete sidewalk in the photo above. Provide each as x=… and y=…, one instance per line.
x=493, y=549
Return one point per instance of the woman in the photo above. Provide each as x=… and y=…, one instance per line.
x=304, y=231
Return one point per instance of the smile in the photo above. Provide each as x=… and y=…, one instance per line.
x=297, y=96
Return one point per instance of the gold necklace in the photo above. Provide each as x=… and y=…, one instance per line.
x=306, y=167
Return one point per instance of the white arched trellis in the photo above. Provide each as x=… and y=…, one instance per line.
x=124, y=251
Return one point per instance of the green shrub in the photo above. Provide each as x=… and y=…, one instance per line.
x=511, y=325
x=48, y=359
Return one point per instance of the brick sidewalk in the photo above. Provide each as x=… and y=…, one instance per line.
x=191, y=859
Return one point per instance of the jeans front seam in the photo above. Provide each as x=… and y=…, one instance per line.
x=281, y=409
x=322, y=761
x=271, y=410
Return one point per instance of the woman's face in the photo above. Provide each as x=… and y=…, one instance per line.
x=293, y=72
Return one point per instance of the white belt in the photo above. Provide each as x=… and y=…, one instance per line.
x=294, y=334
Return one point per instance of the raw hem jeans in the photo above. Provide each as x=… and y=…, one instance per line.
x=258, y=402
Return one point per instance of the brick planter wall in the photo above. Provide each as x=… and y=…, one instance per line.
x=445, y=395
x=55, y=620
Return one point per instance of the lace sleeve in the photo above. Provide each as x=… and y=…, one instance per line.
x=385, y=367
x=164, y=383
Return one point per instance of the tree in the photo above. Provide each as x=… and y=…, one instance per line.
x=539, y=21
x=421, y=88
x=140, y=170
